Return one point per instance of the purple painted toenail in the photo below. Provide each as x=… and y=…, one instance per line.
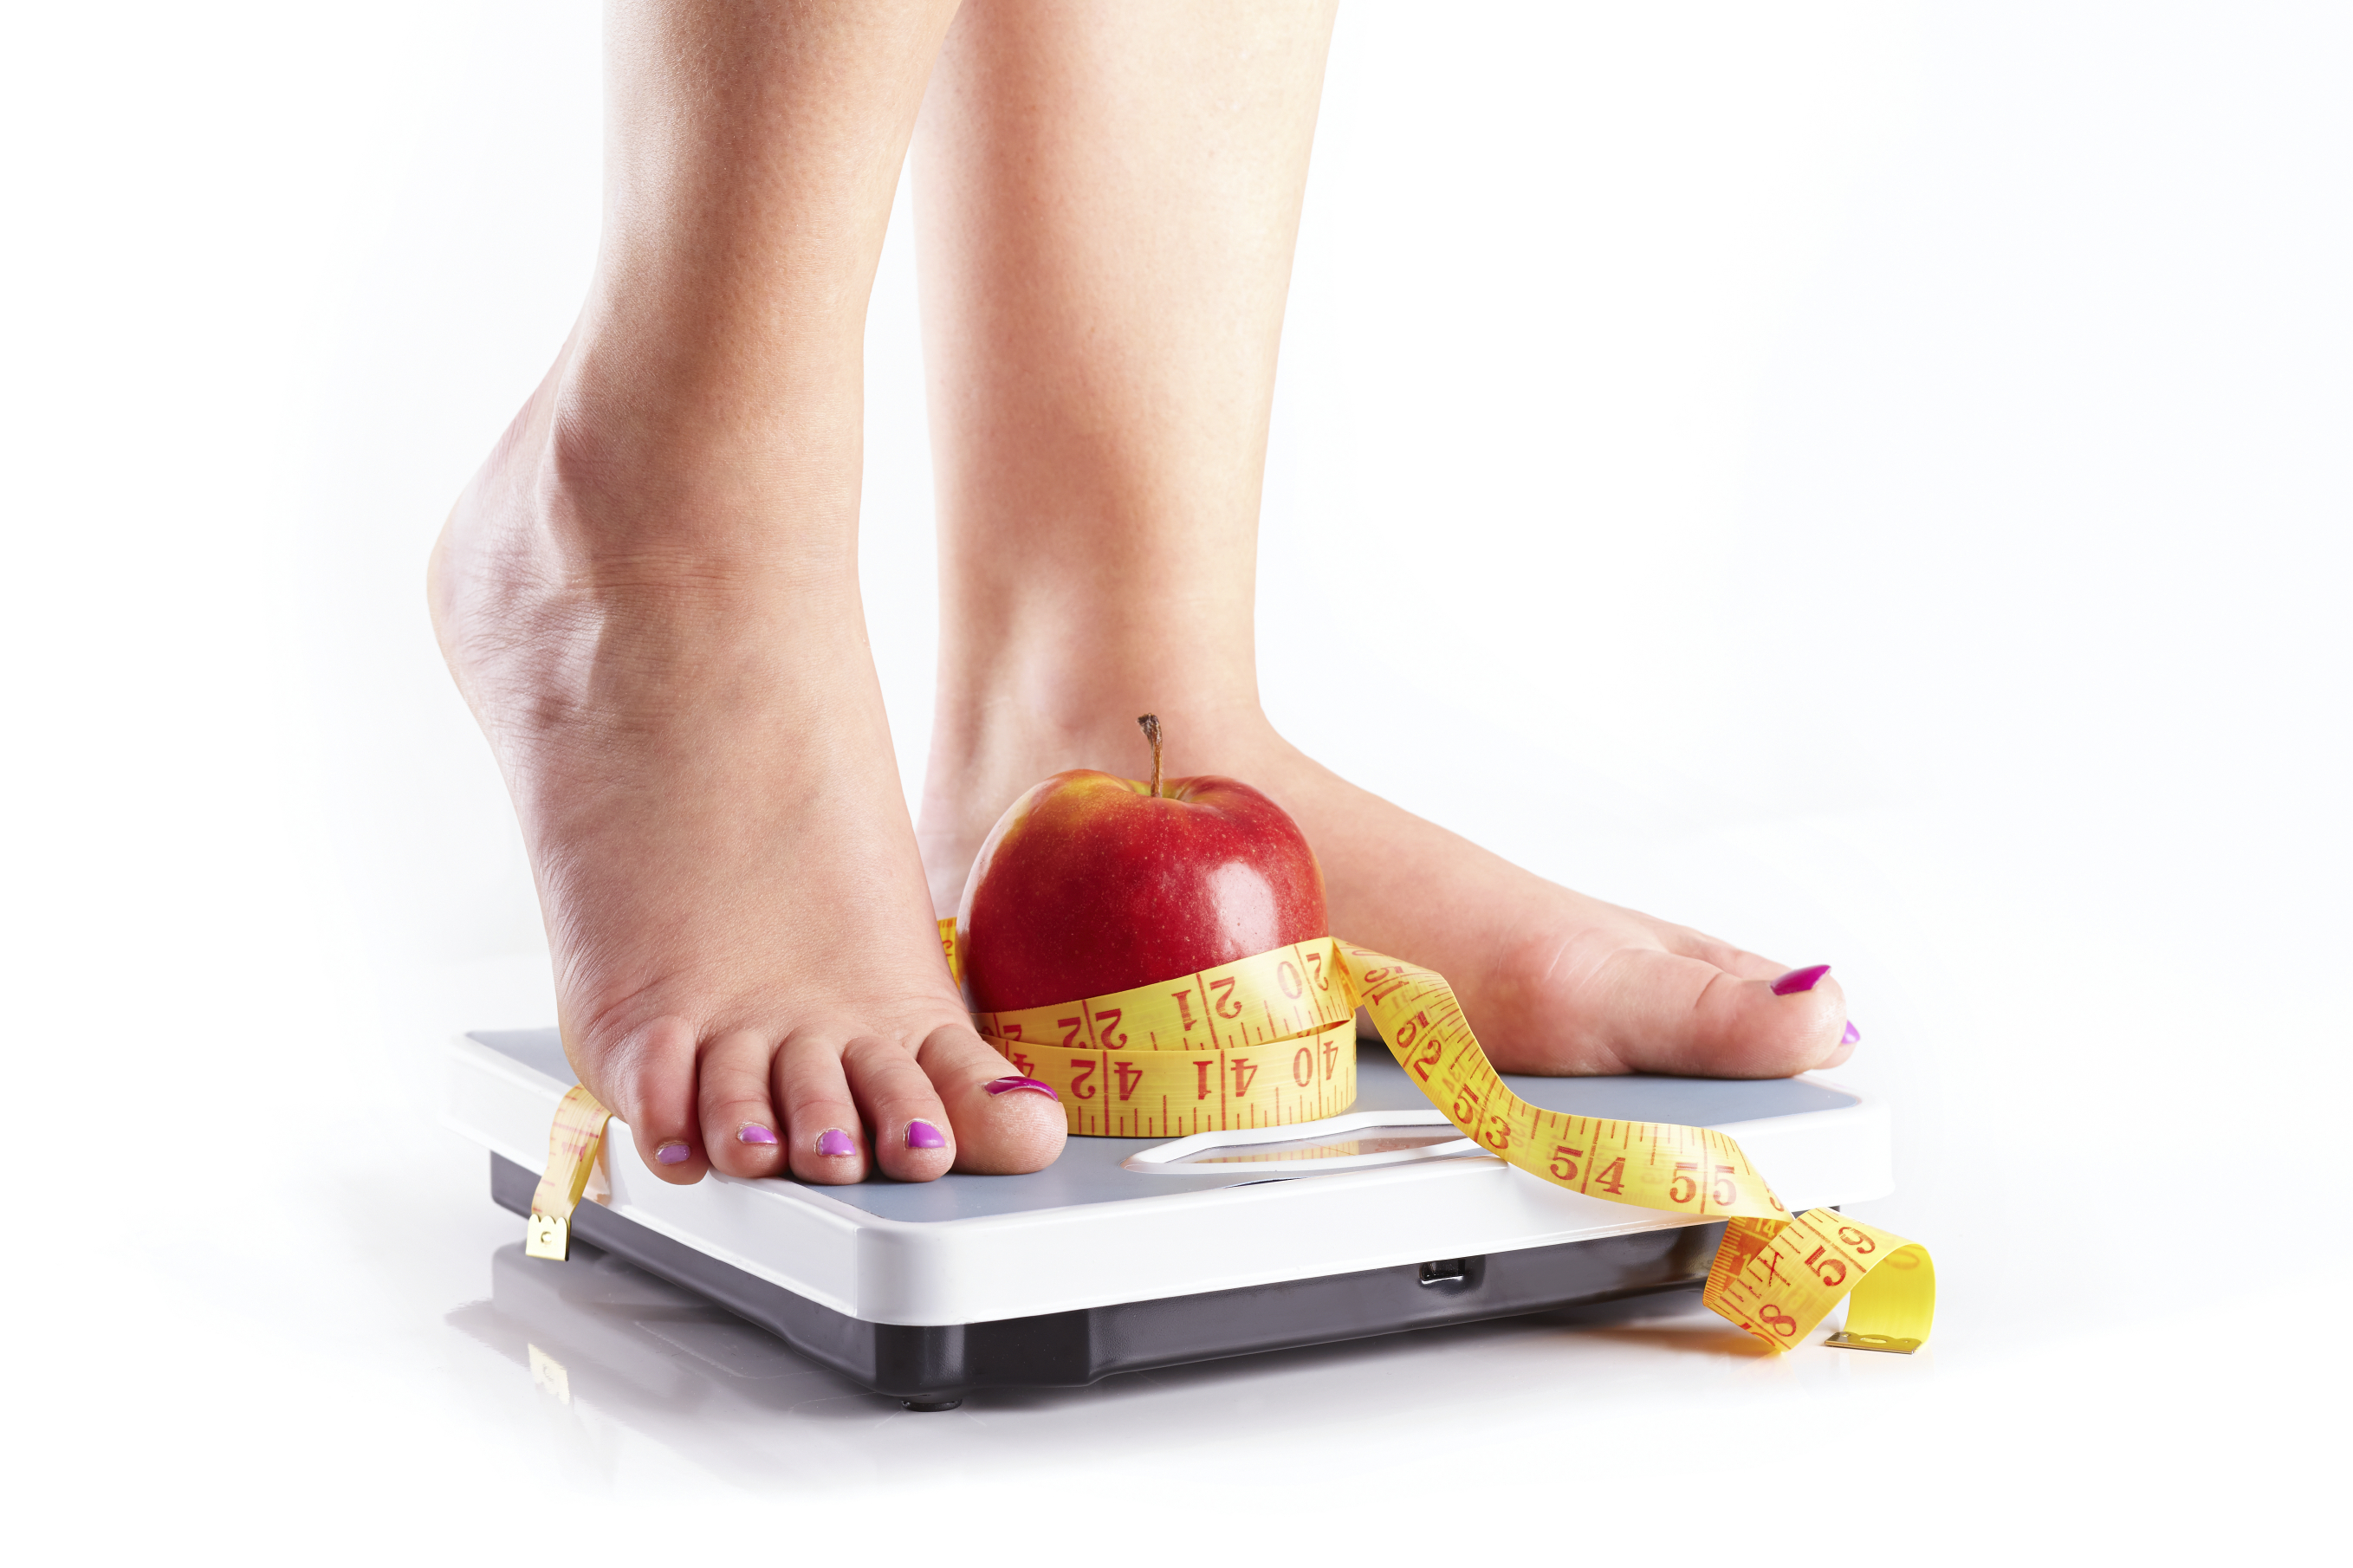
x=1852, y=1035
x=672, y=1154
x=1798, y=979
x=923, y=1135
x=1006, y=1085
x=753, y=1133
x=833, y=1141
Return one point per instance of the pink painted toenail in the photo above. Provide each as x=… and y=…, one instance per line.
x=1798, y=979
x=923, y=1135
x=1006, y=1085
x=1852, y=1035
x=833, y=1141
x=672, y=1154
x=753, y=1133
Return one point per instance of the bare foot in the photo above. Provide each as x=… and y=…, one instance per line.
x=1104, y=296
x=670, y=659
x=1554, y=982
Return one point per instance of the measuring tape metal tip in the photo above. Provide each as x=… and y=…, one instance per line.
x=574, y=1140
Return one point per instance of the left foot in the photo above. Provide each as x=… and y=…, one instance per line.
x=1554, y=982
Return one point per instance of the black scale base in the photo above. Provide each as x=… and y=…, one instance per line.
x=932, y=1367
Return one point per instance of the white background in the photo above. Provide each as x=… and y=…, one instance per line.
x=1871, y=480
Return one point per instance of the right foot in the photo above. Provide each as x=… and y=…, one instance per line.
x=669, y=660
x=1554, y=982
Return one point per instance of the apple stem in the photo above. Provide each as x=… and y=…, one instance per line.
x=1151, y=724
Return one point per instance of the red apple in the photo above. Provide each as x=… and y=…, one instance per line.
x=1091, y=883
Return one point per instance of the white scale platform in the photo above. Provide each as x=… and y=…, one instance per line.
x=1129, y=1253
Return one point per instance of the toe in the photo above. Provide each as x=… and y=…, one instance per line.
x=1844, y=1048
x=914, y=1140
x=738, y=1119
x=1685, y=1015
x=1005, y=1123
x=1744, y=965
x=647, y=1080
x=825, y=1139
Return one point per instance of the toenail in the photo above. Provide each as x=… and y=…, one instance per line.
x=1006, y=1085
x=1798, y=979
x=753, y=1133
x=833, y=1141
x=672, y=1154
x=1853, y=1034
x=923, y=1135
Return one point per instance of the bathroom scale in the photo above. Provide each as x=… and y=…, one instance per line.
x=1127, y=1254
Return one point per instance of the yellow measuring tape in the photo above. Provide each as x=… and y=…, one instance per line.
x=1263, y=1042
x=1271, y=1040
x=572, y=1143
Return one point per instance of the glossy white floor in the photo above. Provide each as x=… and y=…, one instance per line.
x=1893, y=486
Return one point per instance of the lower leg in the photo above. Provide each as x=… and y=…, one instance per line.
x=1106, y=210
x=1106, y=200
x=649, y=596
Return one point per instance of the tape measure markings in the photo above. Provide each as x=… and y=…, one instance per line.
x=1773, y=1275
x=571, y=1143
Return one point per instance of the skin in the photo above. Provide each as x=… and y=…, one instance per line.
x=650, y=596
x=1107, y=200
x=649, y=592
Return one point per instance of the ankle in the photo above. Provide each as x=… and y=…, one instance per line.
x=617, y=497
x=582, y=497
x=991, y=743
x=574, y=544
x=987, y=734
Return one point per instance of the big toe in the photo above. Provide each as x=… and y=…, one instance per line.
x=1665, y=1013
x=1005, y=1123
x=647, y=1080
